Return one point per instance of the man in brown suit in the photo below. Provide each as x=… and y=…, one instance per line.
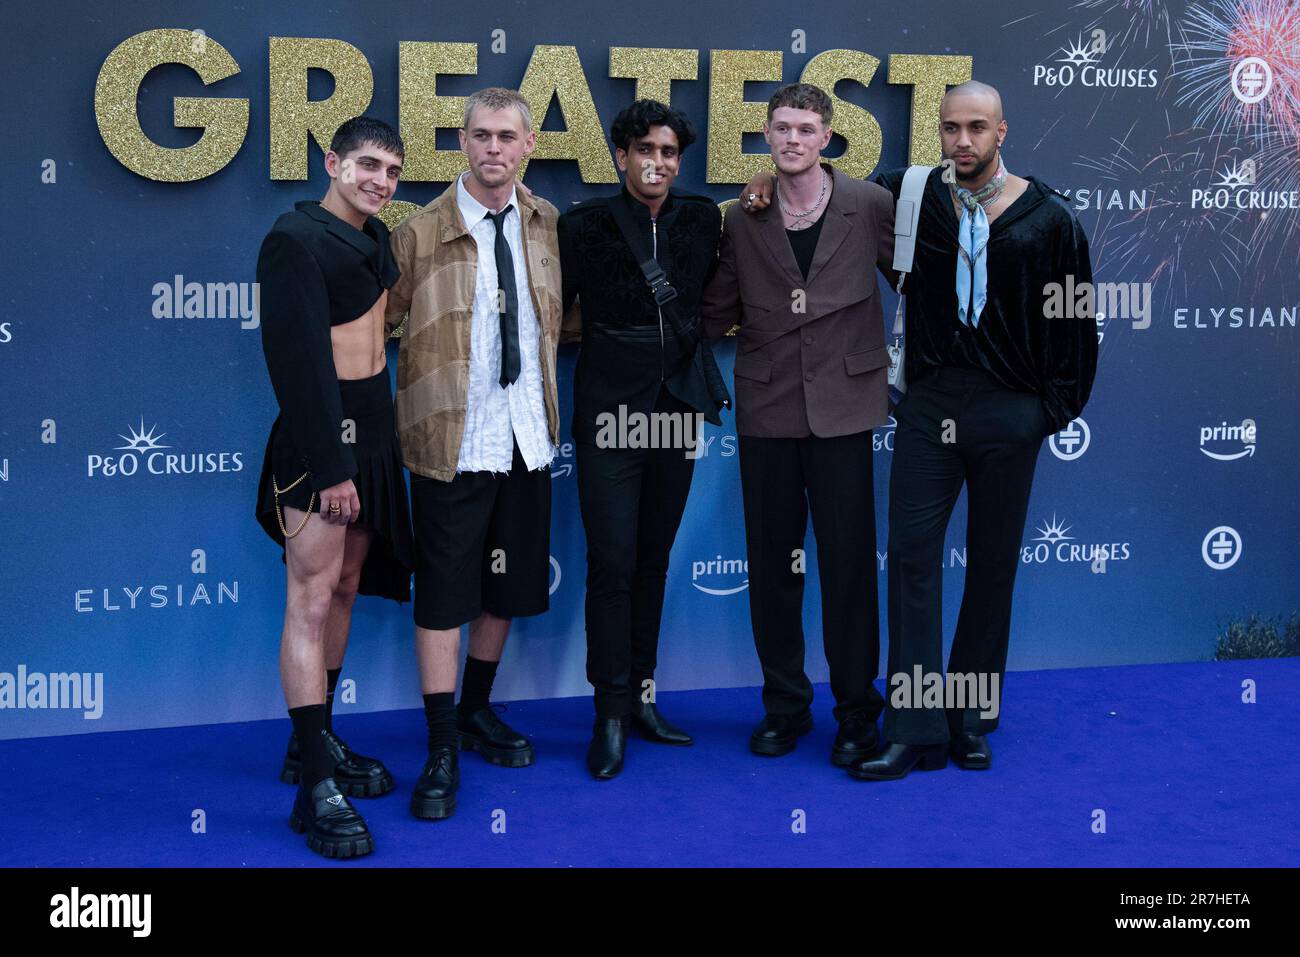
x=810, y=386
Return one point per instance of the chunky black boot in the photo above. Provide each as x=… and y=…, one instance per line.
x=354, y=774
x=332, y=827
x=435, y=791
x=491, y=737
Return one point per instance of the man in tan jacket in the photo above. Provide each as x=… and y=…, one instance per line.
x=477, y=415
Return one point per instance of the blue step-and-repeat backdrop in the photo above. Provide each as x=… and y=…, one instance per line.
x=151, y=146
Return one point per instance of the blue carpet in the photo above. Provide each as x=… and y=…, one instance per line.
x=1186, y=774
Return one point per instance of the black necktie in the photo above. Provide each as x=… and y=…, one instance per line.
x=507, y=304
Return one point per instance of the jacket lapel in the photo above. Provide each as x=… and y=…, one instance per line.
x=771, y=227
x=354, y=237
x=835, y=229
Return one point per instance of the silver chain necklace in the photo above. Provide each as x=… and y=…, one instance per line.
x=803, y=216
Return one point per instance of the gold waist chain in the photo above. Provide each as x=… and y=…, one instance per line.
x=279, y=511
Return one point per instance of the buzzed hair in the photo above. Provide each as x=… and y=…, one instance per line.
x=498, y=98
x=976, y=88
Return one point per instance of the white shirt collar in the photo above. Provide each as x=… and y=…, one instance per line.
x=471, y=210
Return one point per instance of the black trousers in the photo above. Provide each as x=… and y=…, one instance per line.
x=954, y=426
x=632, y=502
x=781, y=480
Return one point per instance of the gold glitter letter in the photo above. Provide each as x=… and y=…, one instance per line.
x=421, y=112
x=293, y=116
x=930, y=77
x=653, y=69
x=858, y=127
x=731, y=116
x=555, y=71
x=224, y=120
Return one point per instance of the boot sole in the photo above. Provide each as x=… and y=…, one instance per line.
x=433, y=809
x=776, y=750
x=498, y=756
x=291, y=773
x=347, y=847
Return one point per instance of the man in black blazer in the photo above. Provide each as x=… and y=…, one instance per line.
x=332, y=490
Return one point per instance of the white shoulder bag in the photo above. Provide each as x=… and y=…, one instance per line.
x=906, y=216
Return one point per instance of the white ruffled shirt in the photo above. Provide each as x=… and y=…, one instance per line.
x=496, y=418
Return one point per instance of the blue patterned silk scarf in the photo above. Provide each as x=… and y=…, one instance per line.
x=973, y=241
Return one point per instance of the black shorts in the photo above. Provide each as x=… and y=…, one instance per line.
x=380, y=483
x=482, y=543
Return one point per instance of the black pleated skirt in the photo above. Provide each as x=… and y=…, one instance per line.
x=380, y=483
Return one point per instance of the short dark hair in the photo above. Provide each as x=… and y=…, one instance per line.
x=360, y=130
x=801, y=96
x=635, y=122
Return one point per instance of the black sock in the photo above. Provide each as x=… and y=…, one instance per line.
x=476, y=686
x=440, y=716
x=309, y=723
x=331, y=682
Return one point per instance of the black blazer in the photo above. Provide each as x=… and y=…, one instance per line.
x=315, y=271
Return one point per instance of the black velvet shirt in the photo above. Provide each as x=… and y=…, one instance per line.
x=1036, y=241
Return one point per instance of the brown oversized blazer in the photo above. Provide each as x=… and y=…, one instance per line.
x=810, y=353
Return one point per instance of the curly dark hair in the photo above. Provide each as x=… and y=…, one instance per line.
x=360, y=130
x=635, y=121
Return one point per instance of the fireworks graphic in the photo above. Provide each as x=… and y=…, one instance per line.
x=1228, y=54
x=1169, y=242
x=1214, y=40
x=1216, y=181
x=1140, y=18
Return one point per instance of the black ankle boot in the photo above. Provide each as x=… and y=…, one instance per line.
x=332, y=826
x=897, y=760
x=648, y=720
x=608, y=742
x=971, y=751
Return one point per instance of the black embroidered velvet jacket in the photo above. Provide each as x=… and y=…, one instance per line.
x=628, y=352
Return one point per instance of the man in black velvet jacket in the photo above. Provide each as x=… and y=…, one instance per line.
x=990, y=375
x=638, y=362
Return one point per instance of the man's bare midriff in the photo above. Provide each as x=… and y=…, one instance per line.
x=359, y=344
